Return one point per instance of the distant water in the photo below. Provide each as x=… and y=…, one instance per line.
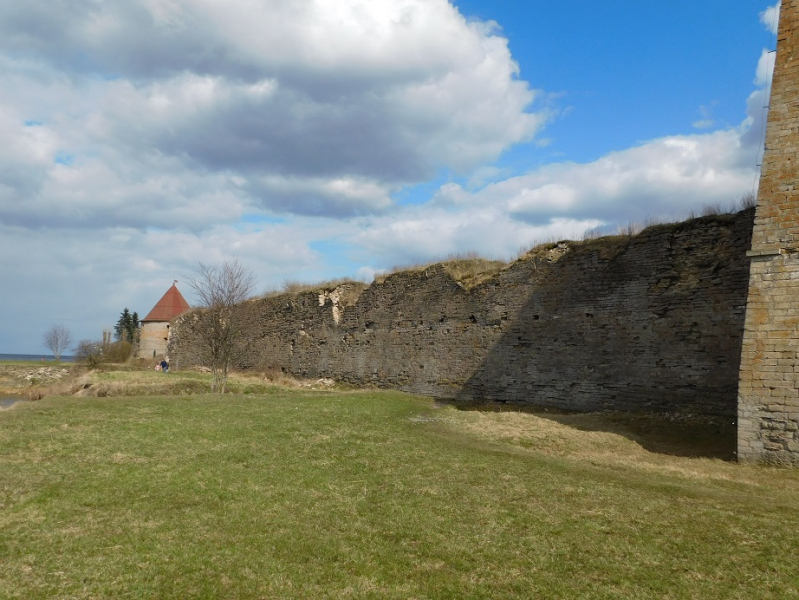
x=36, y=357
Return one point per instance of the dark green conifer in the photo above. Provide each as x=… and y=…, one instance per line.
x=127, y=327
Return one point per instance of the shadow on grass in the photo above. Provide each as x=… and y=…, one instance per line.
x=671, y=434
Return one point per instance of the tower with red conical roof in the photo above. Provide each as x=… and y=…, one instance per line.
x=154, y=334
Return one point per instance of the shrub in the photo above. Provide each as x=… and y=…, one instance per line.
x=630, y=229
x=748, y=200
x=710, y=210
x=89, y=352
x=93, y=353
x=118, y=352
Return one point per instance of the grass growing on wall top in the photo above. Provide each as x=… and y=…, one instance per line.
x=304, y=494
x=292, y=288
x=470, y=269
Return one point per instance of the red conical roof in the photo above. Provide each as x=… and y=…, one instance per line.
x=169, y=306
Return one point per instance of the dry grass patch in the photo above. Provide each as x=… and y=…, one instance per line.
x=471, y=272
x=127, y=382
x=295, y=288
x=645, y=443
x=469, y=269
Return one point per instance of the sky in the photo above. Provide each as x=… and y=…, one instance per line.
x=321, y=139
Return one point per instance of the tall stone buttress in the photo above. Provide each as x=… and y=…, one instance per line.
x=768, y=391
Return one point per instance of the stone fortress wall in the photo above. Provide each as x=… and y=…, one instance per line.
x=650, y=322
x=668, y=320
x=153, y=337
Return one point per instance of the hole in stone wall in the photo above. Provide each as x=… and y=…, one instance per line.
x=473, y=319
x=536, y=317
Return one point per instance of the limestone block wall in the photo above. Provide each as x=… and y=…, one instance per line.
x=153, y=337
x=768, y=404
x=652, y=322
x=655, y=325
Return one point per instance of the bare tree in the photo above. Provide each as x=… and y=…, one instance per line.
x=56, y=339
x=90, y=352
x=219, y=288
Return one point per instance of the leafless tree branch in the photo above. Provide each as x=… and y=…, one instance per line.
x=57, y=339
x=219, y=289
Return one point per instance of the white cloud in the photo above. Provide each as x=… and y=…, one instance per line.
x=662, y=179
x=343, y=196
x=770, y=17
x=707, y=121
x=377, y=95
x=85, y=279
x=138, y=135
x=422, y=234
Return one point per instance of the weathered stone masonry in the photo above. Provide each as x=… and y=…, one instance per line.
x=652, y=322
x=768, y=403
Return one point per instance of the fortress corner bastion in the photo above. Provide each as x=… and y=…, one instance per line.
x=768, y=392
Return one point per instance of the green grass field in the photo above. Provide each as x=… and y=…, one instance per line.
x=299, y=494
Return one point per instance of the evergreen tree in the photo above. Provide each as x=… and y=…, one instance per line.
x=127, y=327
x=121, y=327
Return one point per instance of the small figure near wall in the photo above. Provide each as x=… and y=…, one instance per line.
x=164, y=366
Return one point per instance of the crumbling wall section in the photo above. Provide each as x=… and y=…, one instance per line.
x=652, y=322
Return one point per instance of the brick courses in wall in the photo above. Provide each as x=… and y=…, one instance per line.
x=768, y=402
x=652, y=322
